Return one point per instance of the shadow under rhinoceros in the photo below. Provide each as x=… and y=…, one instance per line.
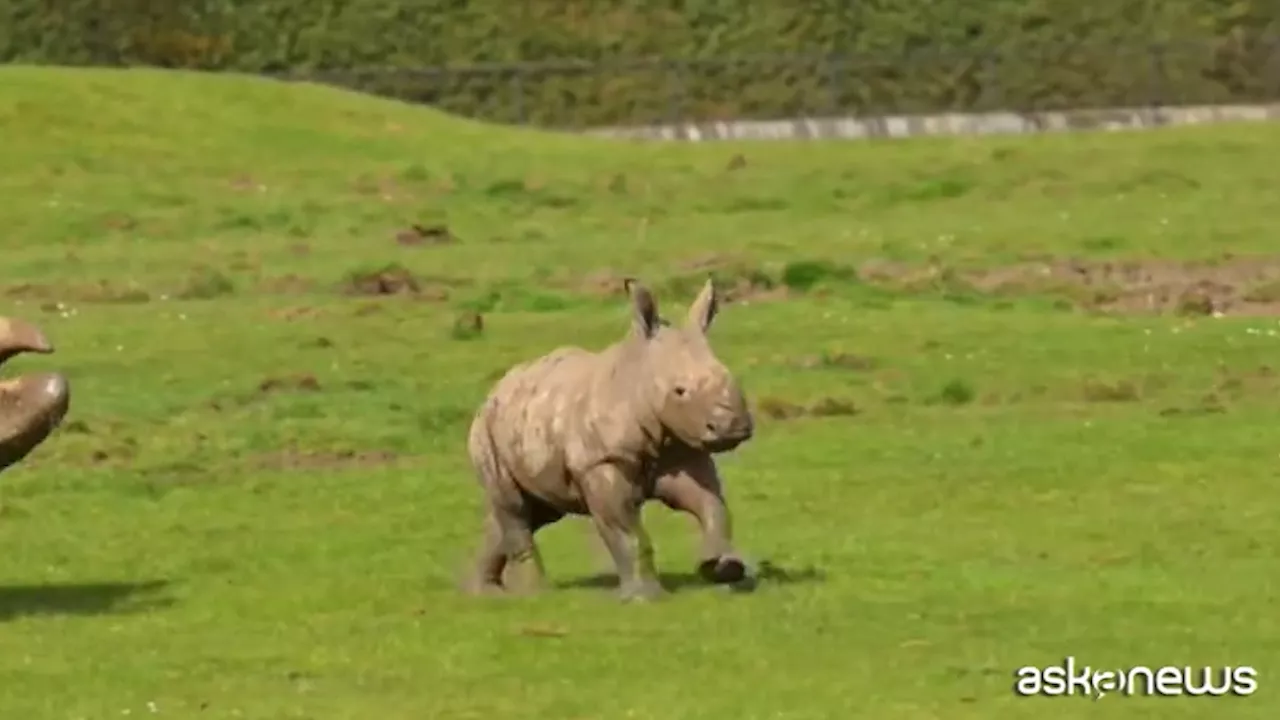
x=766, y=573
x=82, y=598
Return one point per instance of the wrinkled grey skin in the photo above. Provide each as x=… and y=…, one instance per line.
x=584, y=433
x=31, y=406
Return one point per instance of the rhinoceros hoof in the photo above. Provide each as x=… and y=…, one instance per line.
x=724, y=570
x=641, y=591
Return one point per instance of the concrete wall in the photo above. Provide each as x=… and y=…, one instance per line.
x=900, y=126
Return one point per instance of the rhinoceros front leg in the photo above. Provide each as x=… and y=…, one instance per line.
x=694, y=487
x=614, y=503
x=31, y=406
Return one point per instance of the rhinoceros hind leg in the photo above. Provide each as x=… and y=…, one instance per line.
x=485, y=576
x=508, y=559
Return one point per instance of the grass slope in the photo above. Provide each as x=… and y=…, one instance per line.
x=260, y=503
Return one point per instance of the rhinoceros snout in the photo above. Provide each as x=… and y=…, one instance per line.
x=727, y=431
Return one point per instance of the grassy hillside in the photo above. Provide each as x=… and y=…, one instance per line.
x=1017, y=402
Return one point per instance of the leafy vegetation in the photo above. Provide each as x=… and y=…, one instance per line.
x=631, y=62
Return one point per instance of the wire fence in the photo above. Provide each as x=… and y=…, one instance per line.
x=568, y=94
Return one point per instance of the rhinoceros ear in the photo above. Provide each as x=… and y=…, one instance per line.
x=644, y=309
x=703, y=310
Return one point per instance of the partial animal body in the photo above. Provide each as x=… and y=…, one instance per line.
x=31, y=406
x=599, y=434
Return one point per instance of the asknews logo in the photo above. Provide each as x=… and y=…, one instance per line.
x=1166, y=681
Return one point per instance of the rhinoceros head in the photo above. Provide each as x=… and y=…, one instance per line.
x=691, y=392
x=31, y=406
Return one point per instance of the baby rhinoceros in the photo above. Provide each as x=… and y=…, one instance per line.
x=599, y=433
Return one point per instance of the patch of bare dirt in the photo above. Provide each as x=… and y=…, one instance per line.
x=268, y=386
x=120, y=222
x=840, y=360
x=753, y=288
x=53, y=295
x=286, y=284
x=467, y=325
x=290, y=314
x=707, y=261
x=737, y=281
x=779, y=409
x=246, y=183
x=393, y=280
x=417, y=235
x=1229, y=286
x=304, y=382
x=383, y=188
x=243, y=261
x=603, y=283
x=298, y=459
x=1240, y=383
x=617, y=184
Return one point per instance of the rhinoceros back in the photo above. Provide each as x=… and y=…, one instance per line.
x=526, y=422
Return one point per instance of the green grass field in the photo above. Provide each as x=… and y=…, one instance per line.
x=259, y=505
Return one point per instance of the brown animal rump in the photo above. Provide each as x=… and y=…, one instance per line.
x=31, y=406
x=600, y=433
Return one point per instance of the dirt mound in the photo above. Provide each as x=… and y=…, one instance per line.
x=393, y=280
x=1247, y=286
x=299, y=459
x=416, y=235
x=390, y=280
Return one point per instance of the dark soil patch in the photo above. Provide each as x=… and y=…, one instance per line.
x=205, y=283
x=294, y=313
x=287, y=284
x=246, y=183
x=753, y=288
x=383, y=188
x=1248, y=286
x=603, y=283
x=100, y=292
x=1111, y=391
x=390, y=280
x=416, y=235
x=1208, y=405
x=709, y=261
x=1236, y=384
x=467, y=325
x=119, y=222
x=779, y=409
x=242, y=261
x=736, y=280
x=298, y=459
x=289, y=383
x=393, y=280
x=837, y=360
